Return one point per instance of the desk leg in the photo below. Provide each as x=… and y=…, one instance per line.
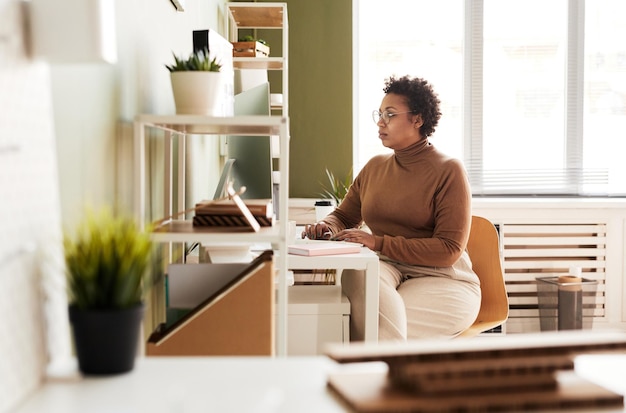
x=371, y=301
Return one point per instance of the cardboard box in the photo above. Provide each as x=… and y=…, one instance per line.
x=231, y=309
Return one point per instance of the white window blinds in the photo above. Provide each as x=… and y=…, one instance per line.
x=533, y=92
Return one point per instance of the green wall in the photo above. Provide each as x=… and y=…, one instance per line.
x=320, y=92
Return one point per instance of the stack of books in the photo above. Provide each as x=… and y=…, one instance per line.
x=230, y=213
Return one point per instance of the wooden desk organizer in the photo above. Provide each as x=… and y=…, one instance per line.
x=250, y=49
x=237, y=319
x=518, y=372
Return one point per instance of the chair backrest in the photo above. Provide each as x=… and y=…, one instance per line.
x=484, y=251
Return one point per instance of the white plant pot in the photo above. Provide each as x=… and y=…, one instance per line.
x=198, y=93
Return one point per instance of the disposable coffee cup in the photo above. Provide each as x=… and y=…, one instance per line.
x=322, y=209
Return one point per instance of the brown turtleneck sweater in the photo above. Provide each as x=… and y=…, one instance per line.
x=416, y=202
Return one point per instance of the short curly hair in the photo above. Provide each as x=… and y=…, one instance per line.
x=421, y=99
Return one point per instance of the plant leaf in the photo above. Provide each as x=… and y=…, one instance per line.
x=197, y=61
x=107, y=262
x=338, y=189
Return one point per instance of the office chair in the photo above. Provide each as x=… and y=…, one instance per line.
x=483, y=249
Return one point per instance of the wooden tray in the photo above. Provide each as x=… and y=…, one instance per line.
x=250, y=49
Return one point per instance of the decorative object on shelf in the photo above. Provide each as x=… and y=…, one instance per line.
x=226, y=213
x=517, y=372
x=248, y=46
x=233, y=212
x=197, y=84
x=108, y=264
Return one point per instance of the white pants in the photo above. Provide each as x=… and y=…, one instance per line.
x=416, y=302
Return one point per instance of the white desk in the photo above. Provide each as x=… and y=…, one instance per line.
x=236, y=384
x=196, y=385
x=366, y=260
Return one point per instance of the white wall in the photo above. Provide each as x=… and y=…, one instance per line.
x=95, y=103
x=64, y=143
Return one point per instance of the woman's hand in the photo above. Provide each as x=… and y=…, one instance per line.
x=356, y=235
x=318, y=230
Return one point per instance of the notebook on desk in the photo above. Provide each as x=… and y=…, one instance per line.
x=317, y=248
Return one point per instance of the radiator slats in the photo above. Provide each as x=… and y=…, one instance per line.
x=532, y=301
x=535, y=239
x=594, y=252
x=527, y=288
x=548, y=250
x=513, y=229
x=526, y=277
x=534, y=313
x=560, y=263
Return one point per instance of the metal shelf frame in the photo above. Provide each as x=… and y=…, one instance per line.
x=178, y=231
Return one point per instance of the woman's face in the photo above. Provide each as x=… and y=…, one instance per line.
x=403, y=129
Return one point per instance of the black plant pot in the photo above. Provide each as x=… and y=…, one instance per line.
x=106, y=340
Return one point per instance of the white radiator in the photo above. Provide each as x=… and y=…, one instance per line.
x=544, y=237
x=530, y=251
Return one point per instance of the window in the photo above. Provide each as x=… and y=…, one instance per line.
x=533, y=92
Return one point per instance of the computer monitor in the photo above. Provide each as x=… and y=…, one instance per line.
x=252, y=155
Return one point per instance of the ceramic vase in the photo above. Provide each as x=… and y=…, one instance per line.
x=198, y=92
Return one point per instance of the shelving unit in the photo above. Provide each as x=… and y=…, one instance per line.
x=252, y=16
x=239, y=16
x=180, y=230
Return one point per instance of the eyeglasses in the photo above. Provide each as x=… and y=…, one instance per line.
x=386, y=116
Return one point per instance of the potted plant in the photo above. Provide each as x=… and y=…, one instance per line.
x=108, y=263
x=197, y=84
x=248, y=46
x=337, y=189
x=332, y=196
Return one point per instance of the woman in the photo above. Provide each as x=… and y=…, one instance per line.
x=416, y=205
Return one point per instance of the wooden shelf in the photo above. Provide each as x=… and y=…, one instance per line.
x=261, y=16
x=250, y=16
x=184, y=231
x=206, y=125
x=269, y=63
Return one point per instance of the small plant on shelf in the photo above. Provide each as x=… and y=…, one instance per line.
x=249, y=46
x=199, y=61
x=249, y=38
x=197, y=84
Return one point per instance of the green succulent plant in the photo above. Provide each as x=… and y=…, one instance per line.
x=199, y=61
x=249, y=38
x=108, y=262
